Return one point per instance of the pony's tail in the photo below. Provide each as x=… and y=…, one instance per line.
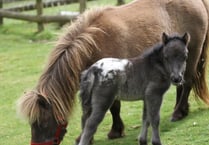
x=200, y=84
x=88, y=78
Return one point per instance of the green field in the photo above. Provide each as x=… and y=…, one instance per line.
x=23, y=54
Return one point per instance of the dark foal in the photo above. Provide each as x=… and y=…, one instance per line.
x=112, y=79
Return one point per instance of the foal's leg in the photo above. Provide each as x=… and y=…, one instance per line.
x=86, y=109
x=153, y=113
x=91, y=125
x=145, y=125
x=99, y=108
x=117, y=129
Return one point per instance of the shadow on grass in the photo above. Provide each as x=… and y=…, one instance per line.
x=165, y=126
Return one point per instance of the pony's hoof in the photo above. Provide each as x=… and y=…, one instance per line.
x=174, y=118
x=180, y=113
x=115, y=134
x=178, y=116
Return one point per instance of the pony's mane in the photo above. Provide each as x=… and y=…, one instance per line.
x=59, y=82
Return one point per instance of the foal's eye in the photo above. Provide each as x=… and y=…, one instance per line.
x=166, y=58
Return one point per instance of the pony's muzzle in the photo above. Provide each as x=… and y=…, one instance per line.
x=176, y=79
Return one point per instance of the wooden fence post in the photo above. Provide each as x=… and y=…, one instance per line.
x=1, y=6
x=82, y=5
x=39, y=7
x=121, y=2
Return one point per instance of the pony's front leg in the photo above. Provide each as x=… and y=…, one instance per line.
x=145, y=125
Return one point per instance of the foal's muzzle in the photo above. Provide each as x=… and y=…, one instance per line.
x=177, y=79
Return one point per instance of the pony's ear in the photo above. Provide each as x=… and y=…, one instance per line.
x=186, y=38
x=43, y=103
x=164, y=38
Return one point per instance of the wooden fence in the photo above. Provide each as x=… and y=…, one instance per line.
x=39, y=18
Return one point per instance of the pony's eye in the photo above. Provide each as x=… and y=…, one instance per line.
x=44, y=125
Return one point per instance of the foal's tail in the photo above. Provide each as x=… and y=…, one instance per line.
x=200, y=84
x=88, y=79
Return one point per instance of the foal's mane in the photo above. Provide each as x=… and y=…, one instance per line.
x=156, y=49
x=152, y=50
x=58, y=83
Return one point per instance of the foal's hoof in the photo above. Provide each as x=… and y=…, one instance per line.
x=77, y=140
x=115, y=134
x=156, y=144
x=142, y=142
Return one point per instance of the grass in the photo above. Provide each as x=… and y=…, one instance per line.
x=22, y=57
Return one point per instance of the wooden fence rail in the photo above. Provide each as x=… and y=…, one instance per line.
x=46, y=4
x=39, y=18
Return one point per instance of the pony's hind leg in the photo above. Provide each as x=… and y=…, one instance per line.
x=117, y=129
x=182, y=105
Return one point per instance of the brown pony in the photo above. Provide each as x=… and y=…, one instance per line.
x=122, y=32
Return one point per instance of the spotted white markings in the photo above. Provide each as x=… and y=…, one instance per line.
x=111, y=67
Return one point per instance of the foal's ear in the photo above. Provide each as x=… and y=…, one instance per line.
x=164, y=38
x=186, y=38
x=42, y=102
